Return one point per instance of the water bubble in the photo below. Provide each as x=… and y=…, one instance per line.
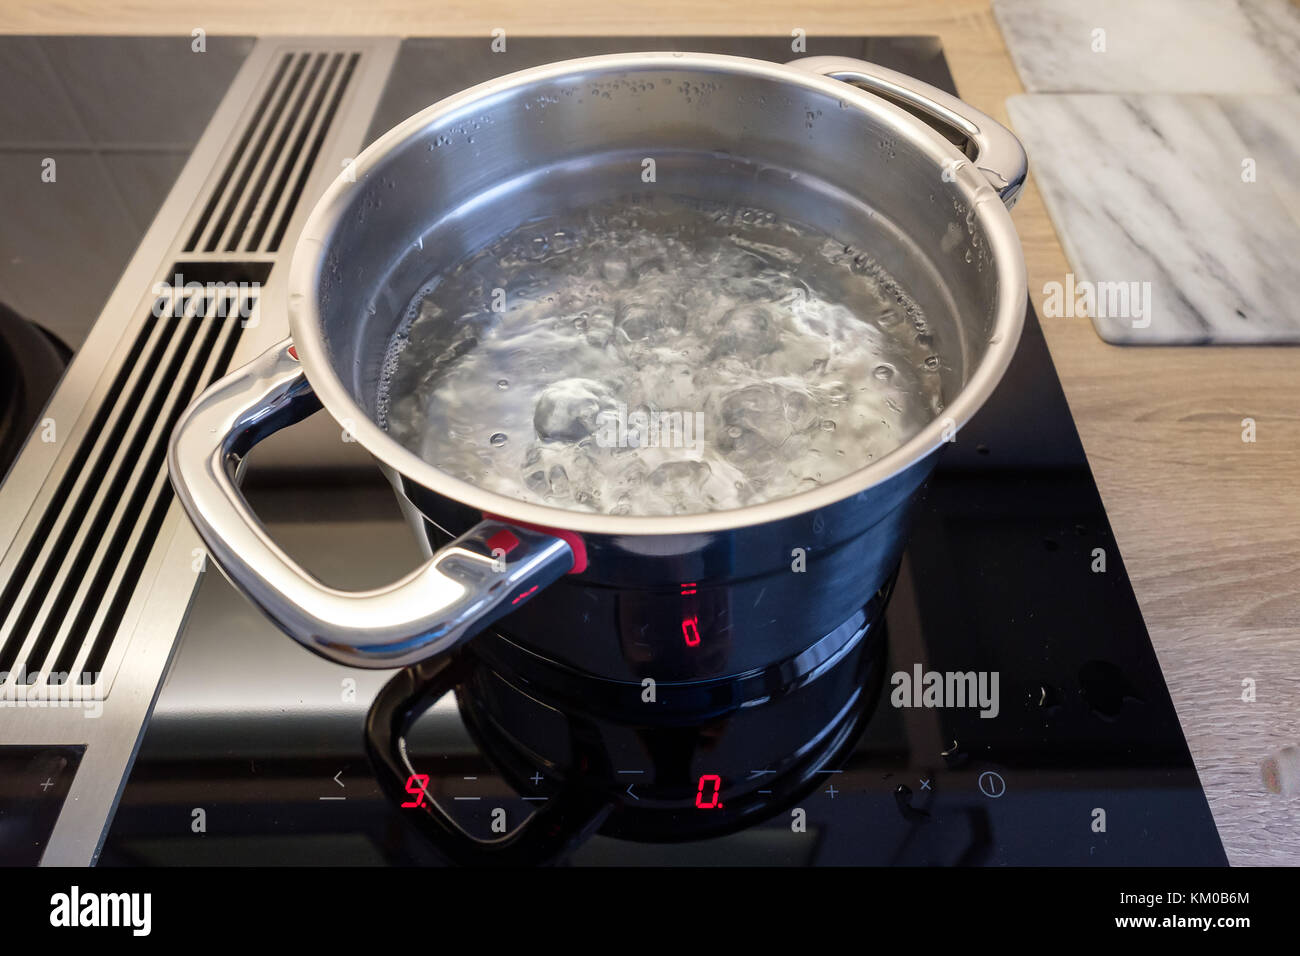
x=569, y=410
x=503, y=383
x=883, y=372
x=616, y=269
x=498, y=439
x=558, y=479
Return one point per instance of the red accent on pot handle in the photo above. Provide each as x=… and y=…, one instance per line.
x=571, y=538
x=503, y=541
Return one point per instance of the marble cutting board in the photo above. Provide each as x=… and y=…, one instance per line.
x=1153, y=46
x=1196, y=196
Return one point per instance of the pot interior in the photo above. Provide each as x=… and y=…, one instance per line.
x=717, y=131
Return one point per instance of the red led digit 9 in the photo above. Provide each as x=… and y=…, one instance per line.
x=416, y=785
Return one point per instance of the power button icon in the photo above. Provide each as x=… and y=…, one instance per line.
x=992, y=785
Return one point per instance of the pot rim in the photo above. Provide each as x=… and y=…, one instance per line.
x=1007, y=256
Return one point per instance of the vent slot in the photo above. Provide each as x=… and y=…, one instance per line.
x=255, y=197
x=63, y=606
x=241, y=150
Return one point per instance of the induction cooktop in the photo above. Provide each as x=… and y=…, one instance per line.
x=1000, y=704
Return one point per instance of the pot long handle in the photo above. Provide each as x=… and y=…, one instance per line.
x=462, y=588
x=995, y=150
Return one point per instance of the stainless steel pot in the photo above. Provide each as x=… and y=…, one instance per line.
x=916, y=177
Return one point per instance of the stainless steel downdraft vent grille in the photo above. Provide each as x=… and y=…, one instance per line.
x=253, y=203
x=63, y=605
x=98, y=565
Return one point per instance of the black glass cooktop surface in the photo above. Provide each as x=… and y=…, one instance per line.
x=1006, y=708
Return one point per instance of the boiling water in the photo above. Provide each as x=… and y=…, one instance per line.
x=661, y=357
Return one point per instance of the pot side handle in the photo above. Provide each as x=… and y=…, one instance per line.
x=462, y=588
x=993, y=148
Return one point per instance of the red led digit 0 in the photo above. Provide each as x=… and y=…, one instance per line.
x=415, y=785
x=691, y=631
x=713, y=783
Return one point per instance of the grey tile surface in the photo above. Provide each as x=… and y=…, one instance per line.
x=64, y=243
x=35, y=108
x=142, y=179
x=119, y=115
x=144, y=90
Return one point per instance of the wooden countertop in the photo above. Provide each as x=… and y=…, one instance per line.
x=1209, y=526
